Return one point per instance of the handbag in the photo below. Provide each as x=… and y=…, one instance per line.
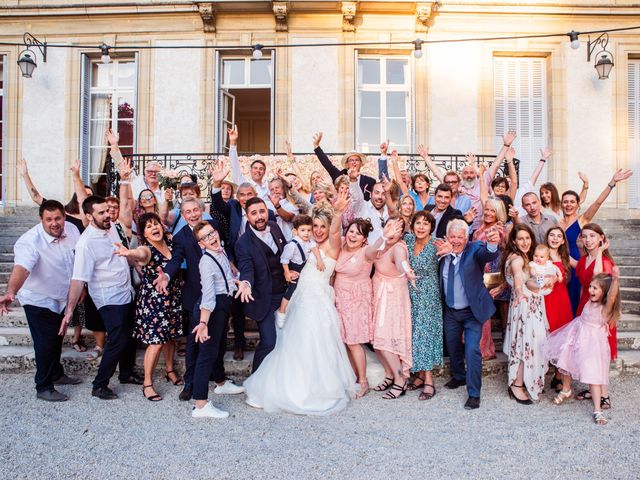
x=491, y=280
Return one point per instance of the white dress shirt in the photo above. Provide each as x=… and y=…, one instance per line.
x=262, y=190
x=106, y=273
x=49, y=261
x=138, y=184
x=377, y=217
x=286, y=227
x=213, y=283
x=266, y=237
x=291, y=252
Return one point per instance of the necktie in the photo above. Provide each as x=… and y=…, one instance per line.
x=450, y=283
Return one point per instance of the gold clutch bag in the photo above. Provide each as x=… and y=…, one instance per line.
x=491, y=280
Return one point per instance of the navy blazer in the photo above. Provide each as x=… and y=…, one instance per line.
x=185, y=247
x=366, y=182
x=474, y=257
x=449, y=214
x=253, y=267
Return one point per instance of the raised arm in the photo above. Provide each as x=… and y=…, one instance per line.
x=331, y=169
x=139, y=256
x=585, y=187
x=335, y=231
x=513, y=175
x=236, y=169
x=396, y=172
x=620, y=176
x=431, y=165
x=545, y=155
x=507, y=140
x=612, y=297
x=484, y=190
x=383, y=166
x=124, y=194
x=31, y=188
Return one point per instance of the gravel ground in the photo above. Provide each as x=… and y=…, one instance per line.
x=133, y=438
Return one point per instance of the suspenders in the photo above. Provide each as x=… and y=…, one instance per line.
x=304, y=258
x=224, y=276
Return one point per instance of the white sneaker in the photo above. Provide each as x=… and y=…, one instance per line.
x=280, y=319
x=228, y=388
x=208, y=411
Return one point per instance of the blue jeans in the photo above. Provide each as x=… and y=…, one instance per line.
x=455, y=323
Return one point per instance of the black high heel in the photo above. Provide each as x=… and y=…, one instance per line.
x=152, y=398
x=392, y=395
x=178, y=380
x=511, y=395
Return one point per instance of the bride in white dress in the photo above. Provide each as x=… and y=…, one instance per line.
x=308, y=372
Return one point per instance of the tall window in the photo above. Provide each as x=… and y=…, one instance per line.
x=1, y=127
x=108, y=101
x=633, y=112
x=383, y=103
x=520, y=103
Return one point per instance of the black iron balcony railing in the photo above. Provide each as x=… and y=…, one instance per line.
x=198, y=164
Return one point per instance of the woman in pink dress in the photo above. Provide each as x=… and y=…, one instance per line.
x=557, y=303
x=581, y=349
x=354, y=293
x=392, y=314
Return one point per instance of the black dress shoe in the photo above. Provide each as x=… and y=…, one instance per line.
x=133, y=379
x=453, y=384
x=66, y=380
x=104, y=393
x=52, y=396
x=185, y=394
x=472, y=403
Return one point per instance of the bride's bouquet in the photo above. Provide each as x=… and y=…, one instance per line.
x=168, y=178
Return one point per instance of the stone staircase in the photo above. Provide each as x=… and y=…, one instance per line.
x=16, y=351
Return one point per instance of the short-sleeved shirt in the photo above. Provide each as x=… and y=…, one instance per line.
x=107, y=274
x=49, y=261
x=291, y=252
x=540, y=229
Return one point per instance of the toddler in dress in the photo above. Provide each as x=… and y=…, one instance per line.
x=543, y=272
x=581, y=349
x=293, y=258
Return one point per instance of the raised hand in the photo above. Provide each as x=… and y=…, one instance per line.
x=342, y=202
x=168, y=195
x=513, y=212
x=470, y=158
x=470, y=215
x=394, y=155
x=545, y=154
x=383, y=147
x=112, y=138
x=509, y=137
x=510, y=154
x=443, y=247
x=161, y=282
x=317, y=138
x=583, y=177
x=423, y=151
x=392, y=230
x=219, y=172
x=493, y=236
x=353, y=174
x=5, y=302
x=233, y=135
x=604, y=245
x=22, y=167
x=621, y=175
x=75, y=168
x=287, y=147
x=386, y=184
x=124, y=169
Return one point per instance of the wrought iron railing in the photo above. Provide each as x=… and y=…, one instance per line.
x=198, y=164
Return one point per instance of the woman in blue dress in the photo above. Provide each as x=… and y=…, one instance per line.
x=426, y=307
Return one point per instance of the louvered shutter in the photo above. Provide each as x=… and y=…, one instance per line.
x=85, y=109
x=520, y=103
x=633, y=113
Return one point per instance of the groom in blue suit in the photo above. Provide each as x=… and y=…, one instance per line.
x=262, y=282
x=466, y=303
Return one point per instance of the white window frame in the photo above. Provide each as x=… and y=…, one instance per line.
x=3, y=122
x=85, y=112
x=633, y=130
x=383, y=88
x=220, y=86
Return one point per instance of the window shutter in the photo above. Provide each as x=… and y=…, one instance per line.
x=633, y=114
x=85, y=106
x=520, y=103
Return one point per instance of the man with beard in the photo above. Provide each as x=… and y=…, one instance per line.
x=257, y=169
x=376, y=210
x=109, y=280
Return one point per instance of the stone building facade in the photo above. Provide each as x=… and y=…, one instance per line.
x=458, y=97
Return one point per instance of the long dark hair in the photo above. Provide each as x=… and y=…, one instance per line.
x=512, y=248
x=594, y=227
x=563, y=251
x=554, y=204
x=604, y=280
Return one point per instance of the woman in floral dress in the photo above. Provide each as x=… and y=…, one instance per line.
x=158, y=318
x=527, y=326
x=426, y=307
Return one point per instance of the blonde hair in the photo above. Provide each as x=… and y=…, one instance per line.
x=341, y=180
x=498, y=206
x=323, y=212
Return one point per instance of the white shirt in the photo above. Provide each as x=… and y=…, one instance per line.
x=267, y=238
x=377, y=217
x=213, y=283
x=291, y=252
x=286, y=227
x=138, y=184
x=49, y=261
x=106, y=273
x=262, y=190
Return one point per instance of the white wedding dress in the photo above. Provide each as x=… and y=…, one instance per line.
x=308, y=372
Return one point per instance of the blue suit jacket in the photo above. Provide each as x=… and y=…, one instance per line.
x=474, y=257
x=185, y=247
x=253, y=267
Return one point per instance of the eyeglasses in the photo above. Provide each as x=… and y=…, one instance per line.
x=451, y=182
x=209, y=236
x=146, y=197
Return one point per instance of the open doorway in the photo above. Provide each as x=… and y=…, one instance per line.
x=245, y=93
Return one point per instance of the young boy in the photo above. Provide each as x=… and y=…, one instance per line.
x=293, y=258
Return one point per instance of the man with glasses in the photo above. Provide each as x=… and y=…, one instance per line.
x=459, y=200
x=148, y=181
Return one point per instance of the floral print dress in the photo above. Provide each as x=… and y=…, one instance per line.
x=525, y=336
x=158, y=316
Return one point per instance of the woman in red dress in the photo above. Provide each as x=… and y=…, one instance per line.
x=597, y=259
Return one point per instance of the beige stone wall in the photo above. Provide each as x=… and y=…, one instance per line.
x=314, y=87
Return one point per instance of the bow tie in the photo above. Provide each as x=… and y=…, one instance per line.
x=61, y=237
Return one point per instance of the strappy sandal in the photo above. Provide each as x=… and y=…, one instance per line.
x=177, y=381
x=152, y=398
x=388, y=381
x=599, y=418
x=562, y=396
x=605, y=403
x=427, y=395
x=415, y=385
x=392, y=395
x=584, y=395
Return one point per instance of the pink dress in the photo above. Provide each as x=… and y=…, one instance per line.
x=392, y=309
x=354, y=296
x=581, y=348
